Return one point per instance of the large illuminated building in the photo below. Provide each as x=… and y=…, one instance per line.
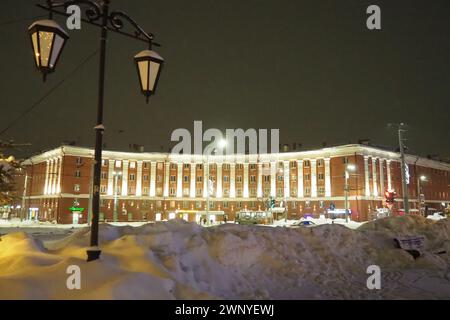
x=160, y=186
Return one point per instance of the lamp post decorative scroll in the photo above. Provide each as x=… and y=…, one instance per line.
x=48, y=39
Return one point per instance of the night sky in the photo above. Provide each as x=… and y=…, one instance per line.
x=310, y=68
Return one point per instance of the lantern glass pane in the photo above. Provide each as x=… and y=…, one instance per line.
x=45, y=42
x=35, y=48
x=154, y=70
x=57, y=46
x=143, y=74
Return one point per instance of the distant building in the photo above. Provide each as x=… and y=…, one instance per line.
x=159, y=186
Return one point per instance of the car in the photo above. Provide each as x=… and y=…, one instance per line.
x=303, y=223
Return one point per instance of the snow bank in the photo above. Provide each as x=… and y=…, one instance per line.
x=180, y=260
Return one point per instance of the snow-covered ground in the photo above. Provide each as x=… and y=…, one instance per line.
x=179, y=260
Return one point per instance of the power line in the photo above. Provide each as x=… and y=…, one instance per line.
x=5, y=23
x=34, y=105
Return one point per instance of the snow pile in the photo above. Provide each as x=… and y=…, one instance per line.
x=180, y=260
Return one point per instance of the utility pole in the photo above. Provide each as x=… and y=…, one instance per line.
x=403, y=168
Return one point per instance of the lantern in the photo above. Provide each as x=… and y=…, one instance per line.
x=149, y=65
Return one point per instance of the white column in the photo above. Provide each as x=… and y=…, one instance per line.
x=111, y=165
x=381, y=177
x=152, y=179
x=125, y=177
x=388, y=172
x=273, y=177
x=179, y=180
x=47, y=170
x=286, y=180
x=366, y=175
x=300, y=192
x=193, y=177
x=374, y=176
x=205, y=180
x=232, y=180
x=219, y=180
x=139, y=179
x=327, y=178
x=52, y=176
x=260, y=177
x=58, y=184
x=166, y=179
x=313, y=163
x=245, y=180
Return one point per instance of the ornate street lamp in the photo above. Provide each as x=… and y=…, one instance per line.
x=149, y=64
x=48, y=40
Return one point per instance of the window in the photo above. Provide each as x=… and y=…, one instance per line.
x=252, y=178
x=132, y=165
x=159, y=191
x=145, y=191
x=226, y=166
x=279, y=192
x=307, y=191
x=266, y=178
x=198, y=204
x=293, y=164
x=294, y=192
x=199, y=167
x=186, y=166
x=320, y=163
x=76, y=188
x=294, y=177
x=145, y=165
x=226, y=178
x=173, y=178
x=239, y=192
x=199, y=179
x=186, y=178
x=104, y=162
x=239, y=204
x=280, y=177
x=77, y=174
x=102, y=189
x=226, y=191
x=158, y=178
x=172, y=191
x=306, y=163
x=320, y=176
x=307, y=177
x=321, y=190
x=118, y=164
x=266, y=192
x=173, y=166
x=252, y=166
x=131, y=190
x=79, y=161
x=145, y=177
x=239, y=178
x=185, y=191
x=104, y=175
x=160, y=165
x=253, y=192
x=225, y=204
x=199, y=191
x=132, y=177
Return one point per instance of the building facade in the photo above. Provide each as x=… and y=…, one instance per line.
x=160, y=186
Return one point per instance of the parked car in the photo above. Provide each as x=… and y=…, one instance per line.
x=303, y=223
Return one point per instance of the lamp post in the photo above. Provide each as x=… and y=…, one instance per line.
x=48, y=40
x=348, y=168
x=420, y=179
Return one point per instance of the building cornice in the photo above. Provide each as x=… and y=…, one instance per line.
x=329, y=152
